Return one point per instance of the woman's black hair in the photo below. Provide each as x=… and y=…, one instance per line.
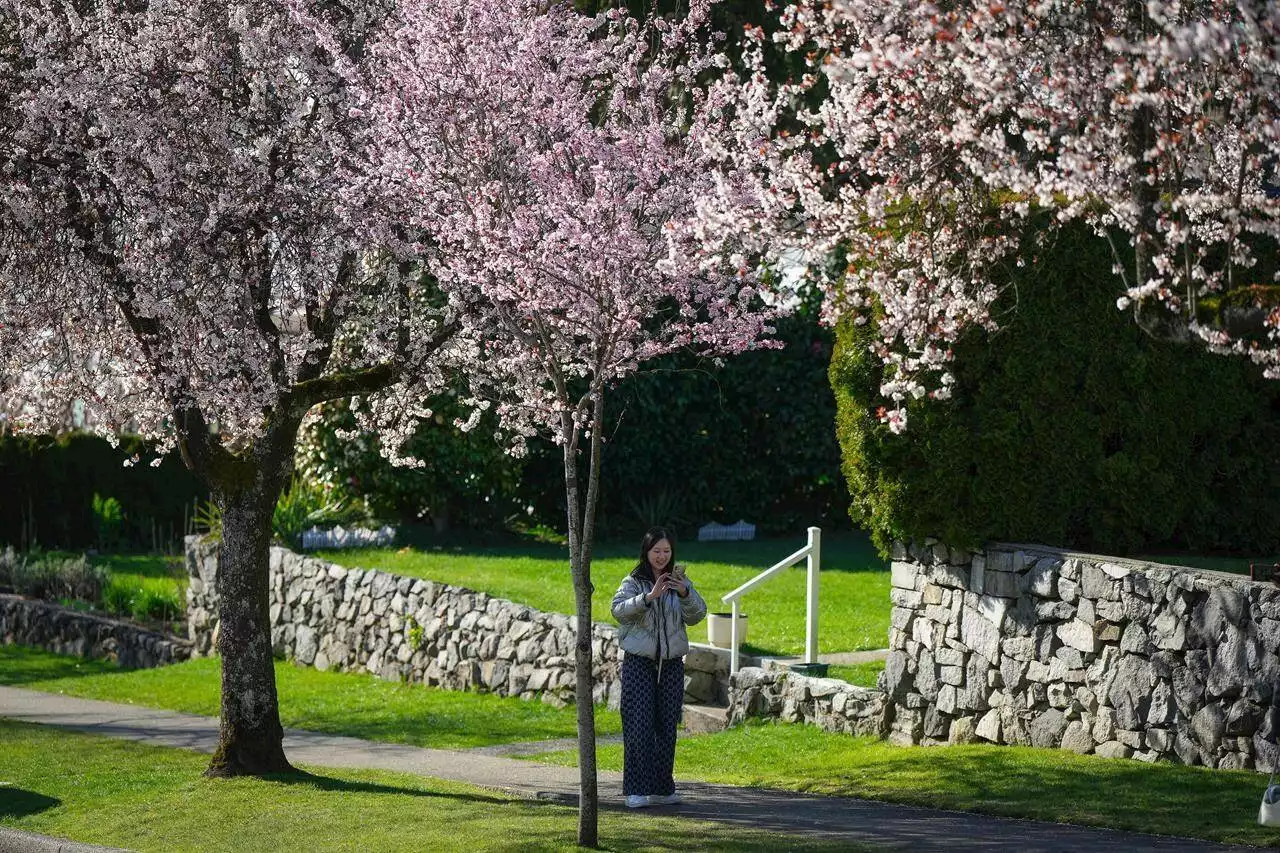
x=653, y=537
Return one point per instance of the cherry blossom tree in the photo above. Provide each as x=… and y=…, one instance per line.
x=541, y=157
x=175, y=252
x=924, y=136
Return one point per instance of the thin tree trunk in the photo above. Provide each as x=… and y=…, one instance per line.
x=250, y=737
x=585, y=688
x=581, y=529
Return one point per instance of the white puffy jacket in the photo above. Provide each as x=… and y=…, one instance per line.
x=656, y=629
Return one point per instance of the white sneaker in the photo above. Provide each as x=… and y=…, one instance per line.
x=665, y=799
x=638, y=801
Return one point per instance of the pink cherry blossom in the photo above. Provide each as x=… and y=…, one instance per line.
x=537, y=161
x=922, y=137
x=176, y=253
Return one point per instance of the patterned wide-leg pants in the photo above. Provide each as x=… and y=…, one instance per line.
x=651, y=708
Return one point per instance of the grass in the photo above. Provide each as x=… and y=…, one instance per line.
x=854, y=603
x=147, y=588
x=144, y=566
x=861, y=674
x=1040, y=784
x=124, y=794
x=354, y=704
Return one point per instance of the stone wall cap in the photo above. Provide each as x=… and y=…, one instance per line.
x=1144, y=566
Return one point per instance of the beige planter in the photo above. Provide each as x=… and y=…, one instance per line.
x=720, y=629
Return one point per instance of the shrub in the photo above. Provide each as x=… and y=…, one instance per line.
x=108, y=522
x=306, y=504
x=154, y=603
x=303, y=505
x=118, y=596
x=9, y=560
x=1068, y=427
x=142, y=600
x=467, y=480
x=54, y=578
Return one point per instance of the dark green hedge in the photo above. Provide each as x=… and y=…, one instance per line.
x=47, y=487
x=1069, y=427
x=690, y=442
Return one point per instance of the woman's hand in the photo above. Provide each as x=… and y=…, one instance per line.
x=680, y=584
x=660, y=588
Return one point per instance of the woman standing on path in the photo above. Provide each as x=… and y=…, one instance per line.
x=653, y=605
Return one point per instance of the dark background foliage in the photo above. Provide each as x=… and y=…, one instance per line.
x=47, y=487
x=690, y=442
x=1069, y=427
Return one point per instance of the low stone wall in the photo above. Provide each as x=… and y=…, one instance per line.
x=1051, y=648
x=399, y=628
x=828, y=703
x=44, y=625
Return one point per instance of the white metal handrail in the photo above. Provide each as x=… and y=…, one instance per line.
x=813, y=552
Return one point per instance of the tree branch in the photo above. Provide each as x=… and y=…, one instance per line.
x=369, y=380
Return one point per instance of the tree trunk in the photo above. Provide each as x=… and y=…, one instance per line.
x=581, y=533
x=250, y=737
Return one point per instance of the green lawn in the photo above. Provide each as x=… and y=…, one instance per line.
x=144, y=567
x=146, y=587
x=853, y=613
x=352, y=704
x=120, y=793
x=861, y=674
x=1041, y=784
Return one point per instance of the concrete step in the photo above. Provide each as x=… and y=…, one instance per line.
x=846, y=658
x=835, y=657
x=705, y=719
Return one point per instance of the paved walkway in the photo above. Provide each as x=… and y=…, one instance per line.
x=16, y=841
x=538, y=747
x=891, y=827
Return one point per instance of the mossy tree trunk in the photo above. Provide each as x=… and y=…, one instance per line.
x=250, y=737
x=246, y=486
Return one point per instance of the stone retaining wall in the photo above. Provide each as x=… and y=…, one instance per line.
x=44, y=625
x=1029, y=645
x=399, y=628
x=828, y=703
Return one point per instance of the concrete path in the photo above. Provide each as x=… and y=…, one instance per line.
x=890, y=827
x=16, y=841
x=538, y=747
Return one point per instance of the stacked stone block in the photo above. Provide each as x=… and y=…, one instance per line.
x=1050, y=648
x=827, y=703
x=43, y=625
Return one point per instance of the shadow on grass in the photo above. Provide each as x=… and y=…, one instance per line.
x=346, y=786
x=22, y=665
x=18, y=802
x=1051, y=786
